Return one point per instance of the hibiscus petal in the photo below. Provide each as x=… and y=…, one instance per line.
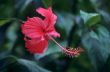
x=36, y=46
x=54, y=34
x=33, y=27
x=50, y=17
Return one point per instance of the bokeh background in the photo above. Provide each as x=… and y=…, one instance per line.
x=84, y=23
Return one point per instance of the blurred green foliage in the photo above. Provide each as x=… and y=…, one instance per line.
x=82, y=23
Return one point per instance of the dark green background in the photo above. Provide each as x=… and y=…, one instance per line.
x=84, y=23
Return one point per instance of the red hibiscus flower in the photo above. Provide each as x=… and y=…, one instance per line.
x=38, y=31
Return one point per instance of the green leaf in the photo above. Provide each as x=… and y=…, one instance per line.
x=4, y=21
x=5, y=62
x=10, y=37
x=31, y=66
x=90, y=19
x=11, y=31
x=65, y=21
x=97, y=45
x=47, y=3
x=13, y=64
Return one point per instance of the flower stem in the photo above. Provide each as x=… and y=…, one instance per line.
x=56, y=43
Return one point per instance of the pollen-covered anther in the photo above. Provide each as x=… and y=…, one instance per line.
x=72, y=52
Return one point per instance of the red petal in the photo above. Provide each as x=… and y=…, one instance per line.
x=54, y=34
x=50, y=17
x=33, y=27
x=36, y=46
